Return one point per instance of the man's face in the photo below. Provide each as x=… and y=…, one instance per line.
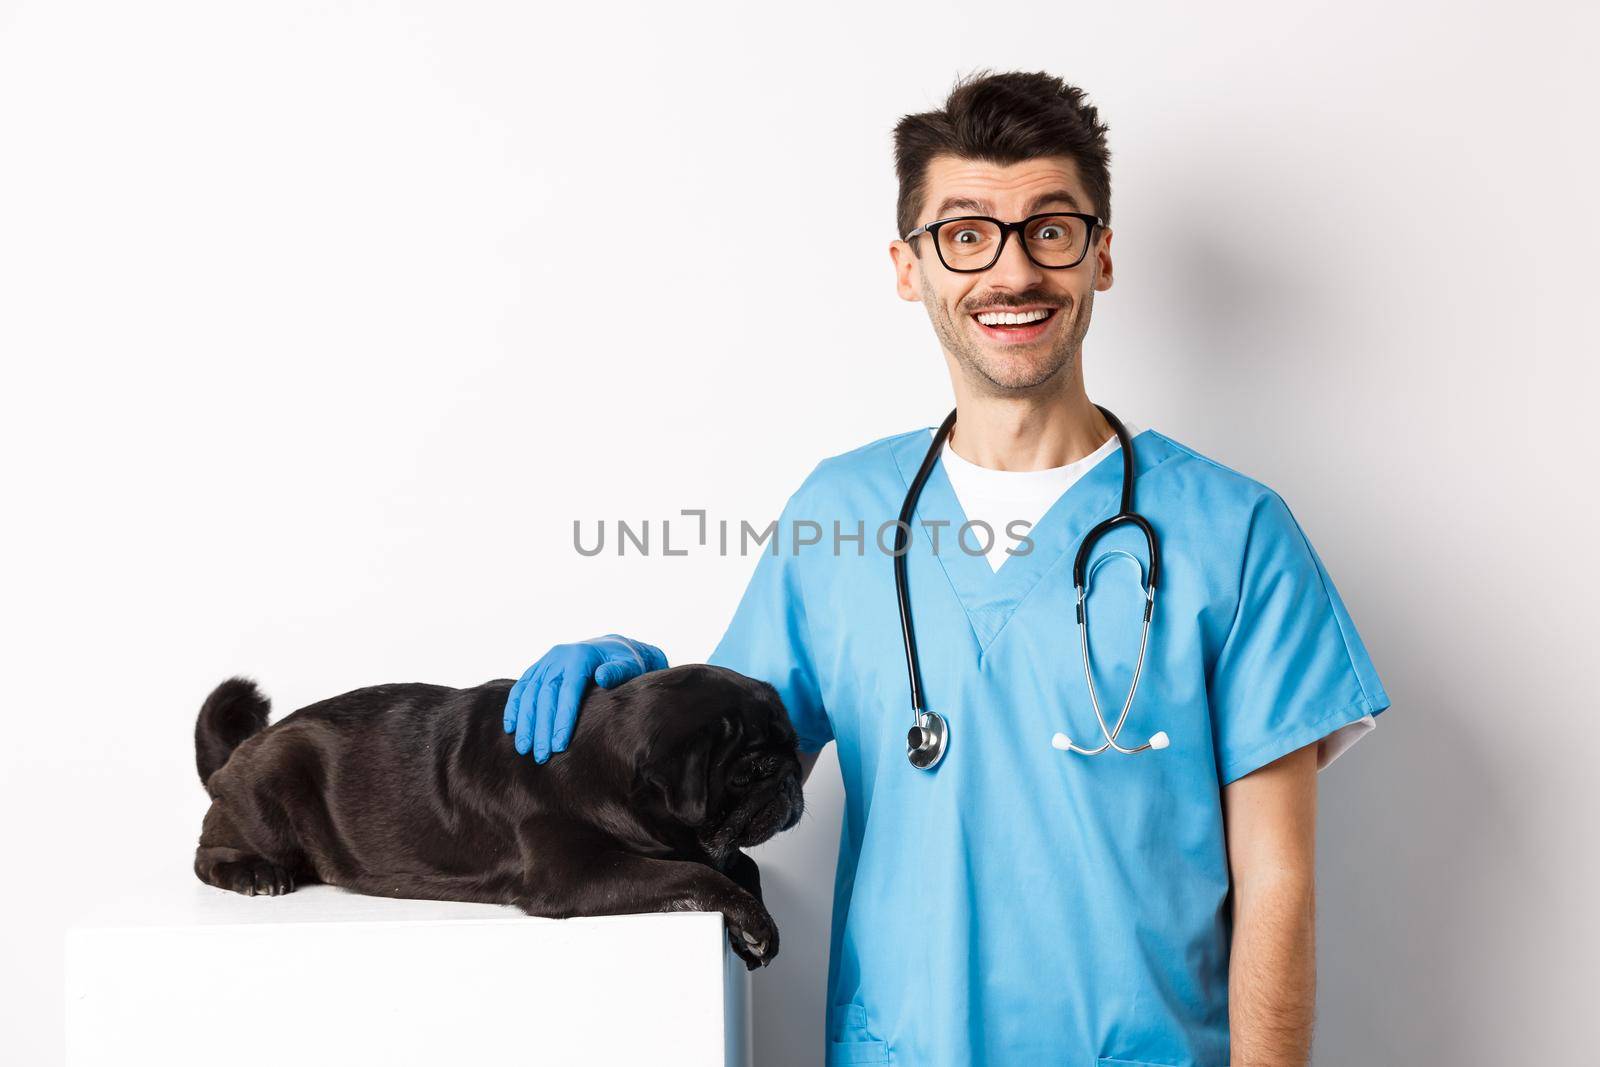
x=995, y=360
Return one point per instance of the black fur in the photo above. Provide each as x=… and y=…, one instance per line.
x=415, y=790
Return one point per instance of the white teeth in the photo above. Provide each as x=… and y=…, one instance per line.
x=1007, y=318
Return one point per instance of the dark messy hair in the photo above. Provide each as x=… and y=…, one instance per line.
x=1003, y=119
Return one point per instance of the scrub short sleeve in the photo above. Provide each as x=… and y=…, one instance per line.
x=769, y=637
x=1292, y=669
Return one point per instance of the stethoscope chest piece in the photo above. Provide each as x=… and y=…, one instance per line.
x=926, y=741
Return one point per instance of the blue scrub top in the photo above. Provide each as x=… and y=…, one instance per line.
x=1019, y=904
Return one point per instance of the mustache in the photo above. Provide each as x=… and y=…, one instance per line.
x=1056, y=304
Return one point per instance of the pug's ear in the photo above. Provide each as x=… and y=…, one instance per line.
x=684, y=780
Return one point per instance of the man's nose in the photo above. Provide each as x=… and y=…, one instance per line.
x=1014, y=268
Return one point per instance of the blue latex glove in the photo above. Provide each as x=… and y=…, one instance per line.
x=543, y=706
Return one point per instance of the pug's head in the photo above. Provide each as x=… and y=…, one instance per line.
x=719, y=761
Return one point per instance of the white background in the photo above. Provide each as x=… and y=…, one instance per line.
x=320, y=325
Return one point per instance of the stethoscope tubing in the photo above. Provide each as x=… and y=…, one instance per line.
x=902, y=541
x=1088, y=678
x=928, y=737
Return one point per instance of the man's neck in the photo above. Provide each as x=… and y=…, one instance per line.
x=1017, y=434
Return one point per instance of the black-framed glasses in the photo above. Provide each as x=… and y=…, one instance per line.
x=1054, y=240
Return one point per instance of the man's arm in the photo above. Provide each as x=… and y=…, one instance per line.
x=1271, y=816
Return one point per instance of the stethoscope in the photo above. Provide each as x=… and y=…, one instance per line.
x=929, y=736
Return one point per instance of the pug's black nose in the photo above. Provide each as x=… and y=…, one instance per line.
x=796, y=797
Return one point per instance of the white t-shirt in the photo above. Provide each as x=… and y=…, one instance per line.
x=1000, y=498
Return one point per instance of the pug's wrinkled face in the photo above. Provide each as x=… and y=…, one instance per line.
x=724, y=760
x=761, y=796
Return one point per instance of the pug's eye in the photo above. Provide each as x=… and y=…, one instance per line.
x=749, y=770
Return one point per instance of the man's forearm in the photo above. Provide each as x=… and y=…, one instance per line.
x=1272, y=976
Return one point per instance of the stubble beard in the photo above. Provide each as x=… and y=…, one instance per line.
x=1022, y=369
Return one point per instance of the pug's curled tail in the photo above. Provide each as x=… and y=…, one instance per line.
x=234, y=711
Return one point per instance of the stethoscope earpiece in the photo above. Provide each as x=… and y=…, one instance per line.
x=928, y=738
x=1158, y=740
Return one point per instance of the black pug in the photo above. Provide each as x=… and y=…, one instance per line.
x=415, y=790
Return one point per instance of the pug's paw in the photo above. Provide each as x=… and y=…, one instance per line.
x=255, y=877
x=753, y=935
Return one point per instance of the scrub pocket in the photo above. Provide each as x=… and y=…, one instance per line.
x=855, y=1046
x=845, y=1053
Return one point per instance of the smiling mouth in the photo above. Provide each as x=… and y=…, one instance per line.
x=1017, y=333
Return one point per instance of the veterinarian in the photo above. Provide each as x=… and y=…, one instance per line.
x=1019, y=901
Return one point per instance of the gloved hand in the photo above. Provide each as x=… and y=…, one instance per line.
x=543, y=706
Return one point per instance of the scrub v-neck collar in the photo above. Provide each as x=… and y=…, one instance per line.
x=990, y=597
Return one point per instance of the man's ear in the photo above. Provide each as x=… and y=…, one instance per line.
x=684, y=782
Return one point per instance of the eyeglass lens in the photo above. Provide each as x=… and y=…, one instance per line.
x=1054, y=241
